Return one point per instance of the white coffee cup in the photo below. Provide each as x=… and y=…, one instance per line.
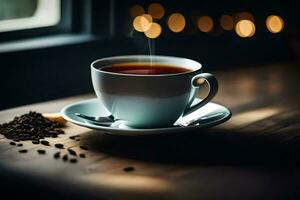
x=148, y=101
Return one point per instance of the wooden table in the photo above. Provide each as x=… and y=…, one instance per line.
x=255, y=155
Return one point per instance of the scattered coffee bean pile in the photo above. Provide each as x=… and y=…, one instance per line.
x=36, y=128
x=31, y=126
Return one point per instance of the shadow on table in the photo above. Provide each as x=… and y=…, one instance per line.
x=205, y=147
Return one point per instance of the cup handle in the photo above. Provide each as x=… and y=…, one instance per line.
x=213, y=89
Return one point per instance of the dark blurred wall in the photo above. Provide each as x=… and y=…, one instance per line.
x=35, y=75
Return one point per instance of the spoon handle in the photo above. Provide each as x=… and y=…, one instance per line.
x=99, y=121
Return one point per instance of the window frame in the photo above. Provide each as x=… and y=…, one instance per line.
x=66, y=24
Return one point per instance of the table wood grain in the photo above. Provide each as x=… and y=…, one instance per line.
x=255, y=155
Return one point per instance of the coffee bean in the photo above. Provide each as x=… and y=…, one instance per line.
x=83, y=147
x=23, y=150
x=45, y=142
x=56, y=155
x=41, y=151
x=59, y=146
x=65, y=157
x=72, y=152
x=12, y=143
x=82, y=155
x=128, y=169
x=35, y=141
x=20, y=145
x=73, y=160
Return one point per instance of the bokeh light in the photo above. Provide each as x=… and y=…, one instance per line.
x=205, y=24
x=245, y=28
x=227, y=22
x=156, y=10
x=136, y=10
x=142, y=23
x=154, y=30
x=176, y=22
x=274, y=24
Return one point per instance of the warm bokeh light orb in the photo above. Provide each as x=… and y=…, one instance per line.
x=176, y=22
x=245, y=28
x=136, y=10
x=142, y=23
x=205, y=24
x=227, y=22
x=154, y=31
x=148, y=18
x=274, y=24
x=156, y=10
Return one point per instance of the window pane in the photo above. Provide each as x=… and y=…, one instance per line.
x=26, y=14
x=12, y=9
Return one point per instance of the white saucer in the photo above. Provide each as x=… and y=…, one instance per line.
x=209, y=115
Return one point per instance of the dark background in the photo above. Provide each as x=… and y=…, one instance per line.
x=53, y=62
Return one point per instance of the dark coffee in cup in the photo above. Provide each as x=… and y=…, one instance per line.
x=145, y=69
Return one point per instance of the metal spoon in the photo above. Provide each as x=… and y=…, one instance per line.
x=102, y=121
x=201, y=120
x=109, y=120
